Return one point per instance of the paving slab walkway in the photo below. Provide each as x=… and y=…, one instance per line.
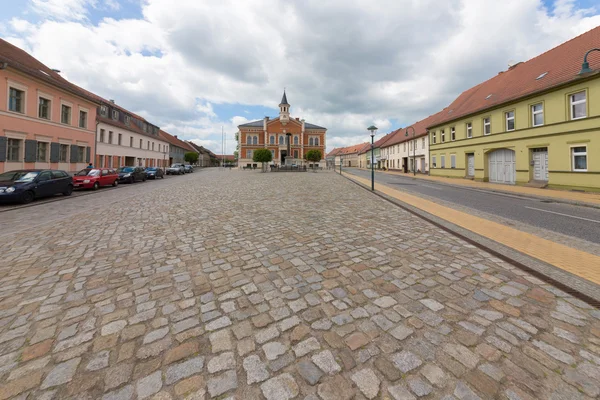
x=278, y=286
x=584, y=198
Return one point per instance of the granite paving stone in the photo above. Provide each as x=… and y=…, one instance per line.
x=298, y=286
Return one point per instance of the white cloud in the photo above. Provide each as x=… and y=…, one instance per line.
x=346, y=64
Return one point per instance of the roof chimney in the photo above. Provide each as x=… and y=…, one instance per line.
x=112, y=101
x=175, y=136
x=56, y=70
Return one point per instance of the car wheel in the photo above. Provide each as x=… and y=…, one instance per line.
x=96, y=186
x=132, y=180
x=69, y=190
x=115, y=183
x=162, y=177
x=27, y=197
x=144, y=179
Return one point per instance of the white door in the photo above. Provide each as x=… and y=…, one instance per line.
x=471, y=164
x=540, y=164
x=502, y=168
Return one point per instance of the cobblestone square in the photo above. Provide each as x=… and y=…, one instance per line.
x=244, y=285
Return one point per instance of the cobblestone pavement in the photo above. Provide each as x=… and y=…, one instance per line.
x=244, y=285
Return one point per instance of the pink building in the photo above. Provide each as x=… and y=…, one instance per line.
x=45, y=121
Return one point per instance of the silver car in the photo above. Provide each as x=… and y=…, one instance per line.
x=176, y=169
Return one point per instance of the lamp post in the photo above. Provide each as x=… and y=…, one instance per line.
x=341, y=162
x=372, y=129
x=585, y=67
x=414, y=145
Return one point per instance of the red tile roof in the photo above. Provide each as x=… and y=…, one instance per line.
x=351, y=149
x=22, y=61
x=173, y=140
x=333, y=152
x=365, y=148
x=420, y=128
x=561, y=65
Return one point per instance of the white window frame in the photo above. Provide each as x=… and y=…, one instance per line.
x=115, y=114
x=20, y=150
x=45, y=96
x=469, y=126
x=87, y=115
x=47, y=156
x=507, y=118
x=66, y=104
x=534, y=113
x=574, y=103
x=443, y=135
x=249, y=154
x=573, y=154
x=68, y=151
x=443, y=161
x=422, y=143
x=452, y=160
x=433, y=137
x=104, y=111
x=486, y=124
x=18, y=86
x=433, y=161
x=452, y=134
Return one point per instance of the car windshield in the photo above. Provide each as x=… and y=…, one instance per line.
x=88, y=172
x=175, y=165
x=150, y=169
x=15, y=175
x=26, y=176
x=126, y=169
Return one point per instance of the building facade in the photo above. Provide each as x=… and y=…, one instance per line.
x=203, y=155
x=177, y=148
x=288, y=139
x=126, y=139
x=45, y=121
x=536, y=123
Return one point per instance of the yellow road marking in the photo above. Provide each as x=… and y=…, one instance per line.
x=580, y=263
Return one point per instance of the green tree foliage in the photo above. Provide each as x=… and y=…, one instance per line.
x=314, y=155
x=191, y=157
x=262, y=156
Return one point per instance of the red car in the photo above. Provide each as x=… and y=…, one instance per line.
x=93, y=178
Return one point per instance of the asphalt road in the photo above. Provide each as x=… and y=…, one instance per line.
x=570, y=220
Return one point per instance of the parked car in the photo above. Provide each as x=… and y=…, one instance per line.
x=93, y=178
x=188, y=169
x=131, y=174
x=176, y=169
x=28, y=184
x=153, y=173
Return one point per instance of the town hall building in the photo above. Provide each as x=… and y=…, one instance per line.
x=289, y=139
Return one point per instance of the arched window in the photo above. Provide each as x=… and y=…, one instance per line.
x=295, y=139
x=255, y=140
x=272, y=139
x=316, y=141
x=310, y=141
x=248, y=139
x=281, y=140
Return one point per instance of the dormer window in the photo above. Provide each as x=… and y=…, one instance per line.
x=115, y=114
x=127, y=119
x=103, y=111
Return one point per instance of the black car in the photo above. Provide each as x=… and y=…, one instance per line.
x=188, y=169
x=132, y=174
x=154, y=172
x=27, y=184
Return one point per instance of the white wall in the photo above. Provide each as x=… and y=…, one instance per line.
x=105, y=148
x=397, y=152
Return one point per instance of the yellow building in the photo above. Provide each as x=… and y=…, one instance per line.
x=536, y=123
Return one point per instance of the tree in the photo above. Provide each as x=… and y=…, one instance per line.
x=314, y=155
x=191, y=157
x=262, y=156
x=235, y=155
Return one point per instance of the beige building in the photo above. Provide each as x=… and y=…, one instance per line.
x=348, y=156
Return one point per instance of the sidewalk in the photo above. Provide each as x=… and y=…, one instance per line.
x=587, y=198
x=566, y=258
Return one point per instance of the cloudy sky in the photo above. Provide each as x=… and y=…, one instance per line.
x=194, y=66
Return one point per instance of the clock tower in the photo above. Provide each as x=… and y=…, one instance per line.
x=284, y=110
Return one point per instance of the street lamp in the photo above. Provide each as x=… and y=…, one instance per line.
x=341, y=162
x=414, y=145
x=372, y=129
x=585, y=67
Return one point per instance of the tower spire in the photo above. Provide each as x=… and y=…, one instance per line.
x=284, y=109
x=284, y=98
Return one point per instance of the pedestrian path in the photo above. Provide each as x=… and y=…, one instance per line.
x=578, y=197
x=577, y=262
